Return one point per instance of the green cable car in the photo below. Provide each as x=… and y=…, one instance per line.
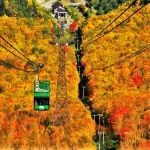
x=41, y=95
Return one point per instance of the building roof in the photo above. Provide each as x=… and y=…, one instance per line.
x=61, y=9
x=56, y=5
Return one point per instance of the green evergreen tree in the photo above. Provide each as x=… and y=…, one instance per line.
x=103, y=2
x=95, y=3
x=114, y=3
x=100, y=11
x=121, y=1
x=107, y=7
x=2, y=9
x=19, y=8
x=93, y=11
x=34, y=7
x=88, y=13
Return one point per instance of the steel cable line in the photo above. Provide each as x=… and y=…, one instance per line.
x=2, y=62
x=115, y=26
x=128, y=57
x=133, y=2
x=31, y=62
x=124, y=20
x=12, y=53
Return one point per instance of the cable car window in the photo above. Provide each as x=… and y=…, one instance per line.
x=41, y=101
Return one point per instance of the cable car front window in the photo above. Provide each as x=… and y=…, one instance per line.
x=41, y=101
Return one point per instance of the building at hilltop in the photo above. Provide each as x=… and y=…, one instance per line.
x=58, y=10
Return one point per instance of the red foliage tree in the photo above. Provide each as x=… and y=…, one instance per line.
x=66, y=48
x=10, y=100
x=138, y=80
x=69, y=76
x=73, y=26
x=124, y=133
x=118, y=114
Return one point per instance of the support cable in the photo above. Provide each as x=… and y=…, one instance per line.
x=2, y=62
x=31, y=62
x=128, y=57
x=115, y=26
x=12, y=53
x=133, y=2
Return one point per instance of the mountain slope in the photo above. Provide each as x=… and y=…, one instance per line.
x=121, y=92
x=21, y=126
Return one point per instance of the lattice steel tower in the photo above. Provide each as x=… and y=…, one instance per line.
x=61, y=112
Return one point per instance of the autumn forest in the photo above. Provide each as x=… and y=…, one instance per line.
x=119, y=91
